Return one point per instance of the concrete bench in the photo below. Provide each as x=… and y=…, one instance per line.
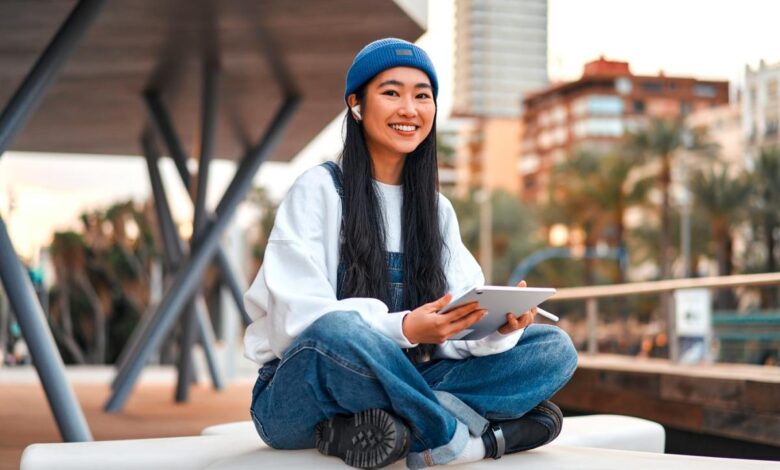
x=241, y=452
x=601, y=431
x=598, y=441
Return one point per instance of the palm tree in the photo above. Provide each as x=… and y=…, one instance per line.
x=595, y=191
x=67, y=251
x=723, y=199
x=102, y=282
x=660, y=142
x=514, y=231
x=766, y=179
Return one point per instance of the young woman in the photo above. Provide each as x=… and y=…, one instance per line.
x=355, y=359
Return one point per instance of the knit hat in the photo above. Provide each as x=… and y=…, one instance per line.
x=383, y=54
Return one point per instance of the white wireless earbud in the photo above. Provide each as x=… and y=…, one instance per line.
x=356, y=111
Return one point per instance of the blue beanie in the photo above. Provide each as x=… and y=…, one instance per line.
x=383, y=54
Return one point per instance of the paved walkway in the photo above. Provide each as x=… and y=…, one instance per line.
x=150, y=412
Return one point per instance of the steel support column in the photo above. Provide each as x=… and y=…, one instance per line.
x=207, y=131
x=48, y=363
x=174, y=252
x=187, y=278
x=163, y=124
x=43, y=350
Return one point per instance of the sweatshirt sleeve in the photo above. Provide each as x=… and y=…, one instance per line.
x=463, y=272
x=292, y=288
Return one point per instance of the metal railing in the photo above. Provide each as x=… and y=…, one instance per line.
x=591, y=294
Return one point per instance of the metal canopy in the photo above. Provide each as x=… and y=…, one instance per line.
x=134, y=45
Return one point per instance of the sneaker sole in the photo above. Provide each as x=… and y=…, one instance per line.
x=370, y=439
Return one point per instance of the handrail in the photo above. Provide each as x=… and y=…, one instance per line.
x=591, y=293
x=651, y=287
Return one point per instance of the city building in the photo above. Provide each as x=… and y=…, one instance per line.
x=596, y=111
x=761, y=106
x=474, y=154
x=723, y=126
x=500, y=55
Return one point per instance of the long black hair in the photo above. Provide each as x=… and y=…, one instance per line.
x=363, y=234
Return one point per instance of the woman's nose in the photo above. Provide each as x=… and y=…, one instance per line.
x=407, y=107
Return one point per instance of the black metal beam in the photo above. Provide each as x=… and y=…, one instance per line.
x=164, y=125
x=48, y=363
x=162, y=122
x=207, y=130
x=45, y=70
x=189, y=275
x=174, y=253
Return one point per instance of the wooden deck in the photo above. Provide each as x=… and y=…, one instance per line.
x=734, y=401
x=150, y=412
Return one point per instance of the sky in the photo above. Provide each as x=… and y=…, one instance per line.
x=712, y=39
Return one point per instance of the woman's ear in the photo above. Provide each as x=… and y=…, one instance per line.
x=356, y=112
x=354, y=106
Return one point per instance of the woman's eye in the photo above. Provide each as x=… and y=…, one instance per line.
x=390, y=93
x=424, y=96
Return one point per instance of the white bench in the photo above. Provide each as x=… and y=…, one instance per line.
x=237, y=446
x=601, y=431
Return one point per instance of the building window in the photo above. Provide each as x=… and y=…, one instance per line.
x=685, y=108
x=701, y=89
x=771, y=90
x=599, y=127
x=771, y=129
x=602, y=104
x=623, y=85
x=652, y=87
x=639, y=106
x=597, y=105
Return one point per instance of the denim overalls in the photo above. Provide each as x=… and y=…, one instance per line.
x=395, y=271
x=340, y=365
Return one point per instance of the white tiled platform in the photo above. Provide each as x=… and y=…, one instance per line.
x=241, y=449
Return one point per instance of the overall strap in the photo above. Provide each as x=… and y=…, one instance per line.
x=336, y=175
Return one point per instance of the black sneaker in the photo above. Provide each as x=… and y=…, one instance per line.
x=536, y=428
x=370, y=439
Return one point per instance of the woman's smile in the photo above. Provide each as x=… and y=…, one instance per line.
x=406, y=130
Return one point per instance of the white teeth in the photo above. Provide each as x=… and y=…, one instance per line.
x=400, y=127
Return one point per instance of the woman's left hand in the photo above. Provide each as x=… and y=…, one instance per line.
x=516, y=323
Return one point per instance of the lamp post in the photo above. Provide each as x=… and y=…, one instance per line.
x=485, y=233
x=685, y=204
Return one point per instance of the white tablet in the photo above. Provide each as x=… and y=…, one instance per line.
x=498, y=300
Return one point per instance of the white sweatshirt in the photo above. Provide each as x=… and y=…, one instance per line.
x=297, y=281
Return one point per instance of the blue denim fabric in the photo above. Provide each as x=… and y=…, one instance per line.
x=394, y=263
x=339, y=365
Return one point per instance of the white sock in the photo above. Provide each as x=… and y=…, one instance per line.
x=473, y=451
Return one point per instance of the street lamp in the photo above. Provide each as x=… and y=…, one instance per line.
x=685, y=203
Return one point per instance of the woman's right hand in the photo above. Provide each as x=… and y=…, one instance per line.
x=425, y=325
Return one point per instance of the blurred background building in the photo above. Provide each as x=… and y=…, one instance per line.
x=500, y=55
x=761, y=105
x=594, y=112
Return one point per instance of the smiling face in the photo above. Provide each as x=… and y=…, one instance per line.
x=398, y=111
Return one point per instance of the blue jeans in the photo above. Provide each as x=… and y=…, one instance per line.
x=339, y=365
